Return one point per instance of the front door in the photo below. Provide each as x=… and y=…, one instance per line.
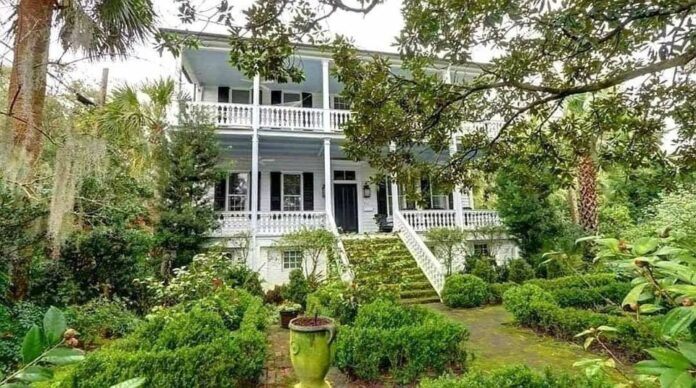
x=346, y=206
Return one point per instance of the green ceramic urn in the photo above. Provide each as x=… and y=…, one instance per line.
x=311, y=340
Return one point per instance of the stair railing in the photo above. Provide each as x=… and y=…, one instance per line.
x=427, y=262
x=344, y=264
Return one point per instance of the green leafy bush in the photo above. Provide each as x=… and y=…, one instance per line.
x=405, y=342
x=101, y=319
x=464, y=291
x=298, y=288
x=484, y=269
x=575, y=281
x=518, y=300
x=594, y=297
x=15, y=321
x=519, y=271
x=216, y=341
x=341, y=301
x=496, y=291
x=514, y=377
x=275, y=295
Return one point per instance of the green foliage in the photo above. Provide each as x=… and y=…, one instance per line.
x=15, y=322
x=342, y=301
x=193, y=344
x=464, y=291
x=514, y=377
x=447, y=244
x=519, y=271
x=405, y=342
x=675, y=210
x=275, y=295
x=484, y=269
x=298, y=288
x=207, y=272
x=496, y=291
x=190, y=167
x=518, y=300
x=313, y=244
x=575, y=281
x=101, y=319
x=591, y=297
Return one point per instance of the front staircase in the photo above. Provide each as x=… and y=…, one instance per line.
x=383, y=258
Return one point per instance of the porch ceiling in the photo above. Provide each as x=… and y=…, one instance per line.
x=211, y=67
x=240, y=147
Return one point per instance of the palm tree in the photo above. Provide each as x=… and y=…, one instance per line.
x=96, y=27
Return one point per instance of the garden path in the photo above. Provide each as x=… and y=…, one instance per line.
x=497, y=342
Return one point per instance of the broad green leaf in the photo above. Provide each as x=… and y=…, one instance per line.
x=54, y=326
x=678, y=320
x=649, y=308
x=675, y=378
x=63, y=356
x=634, y=294
x=669, y=251
x=585, y=332
x=32, y=345
x=649, y=367
x=588, y=342
x=645, y=245
x=669, y=358
x=132, y=383
x=606, y=328
x=688, y=350
x=611, y=243
x=35, y=373
x=586, y=238
x=682, y=289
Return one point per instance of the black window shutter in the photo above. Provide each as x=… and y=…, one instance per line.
x=219, y=198
x=425, y=192
x=382, y=198
x=223, y=94
x=451, y=201
x=275, y=191
x=306, y=100
x=276, y=97
x=308, y=191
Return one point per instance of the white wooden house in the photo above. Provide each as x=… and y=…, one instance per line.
x=289, y=170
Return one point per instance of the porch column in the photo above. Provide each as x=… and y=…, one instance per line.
x=394, y=187
x=457, y=193
x=255, y=166
x=325, y=94
x=328, y=190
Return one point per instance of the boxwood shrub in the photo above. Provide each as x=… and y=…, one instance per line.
x=536, y=308
x=215, y=342
x=496, y=291
x=594, y=297
x=405, y=342
x=464, y=291
x=515, y=377
x=575, y=281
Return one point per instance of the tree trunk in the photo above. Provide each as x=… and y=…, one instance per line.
x=587, y=176
x=572, y=199
x=27, y=89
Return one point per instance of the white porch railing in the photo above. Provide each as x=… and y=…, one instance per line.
x=346, y=271
x=279, y=223
x=337, y=118
x=473, y=219
x=490, y=127
x=223, y=114
x=422, y=220
x=232, y=223
x=292, y=118
x=428, y=263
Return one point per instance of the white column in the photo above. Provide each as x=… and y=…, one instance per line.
x=325, y=94
x=394, y=187
x=255, y=166
x=328, y=189
x=457, y=193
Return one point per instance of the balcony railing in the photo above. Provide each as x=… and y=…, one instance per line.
x=422, y=220
x=270, y=116
x=474, y=219
x=268, y=223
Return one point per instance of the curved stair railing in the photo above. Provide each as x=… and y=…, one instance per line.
x=346, y=271
x=427, y=262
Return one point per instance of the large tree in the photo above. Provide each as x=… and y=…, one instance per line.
x=97, y=28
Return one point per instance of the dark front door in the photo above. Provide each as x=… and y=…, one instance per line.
x=346, y=207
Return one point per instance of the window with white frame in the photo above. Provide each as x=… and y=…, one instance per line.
x=292, y=99
x=438, y=197
x=481, y=250
x=237, y=191
x=292, y=260
x=240, y=96
x=341, y=103
x=292, y=191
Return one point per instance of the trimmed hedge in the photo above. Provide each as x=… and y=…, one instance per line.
x=496, y=291
x=536, y=308
x=215, y=342
x=405, y=342
x=575, y=281
x=515, y=377
x=594, y=297
x=464, y=291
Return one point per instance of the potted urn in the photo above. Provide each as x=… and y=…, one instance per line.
x=288, y=312
x=311, y=340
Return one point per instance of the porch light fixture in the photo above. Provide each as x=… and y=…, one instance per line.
x=367, y=192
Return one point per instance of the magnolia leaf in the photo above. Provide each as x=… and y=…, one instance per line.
x=132, y=383
x=54, y=326
x=676, y=378
x=611, y=243
x=586, y=238
x=670, y=358
x=688, y=350
x=645, y=245
x=678, y=320
x=35, y=373
x=63, y=356
x=649, y=308
x=634, y=294
x=649, y=367
x=588, y=342
x=669, y=251
x=682, y=289
x=585, y=332
x=32, y=345
x=606, y=328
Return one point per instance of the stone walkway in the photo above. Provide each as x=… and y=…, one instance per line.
x=496, y=342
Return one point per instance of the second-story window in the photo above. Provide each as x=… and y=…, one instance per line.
x=240, y=96
x=341, y=103
x=292, y=192
x=237, y=191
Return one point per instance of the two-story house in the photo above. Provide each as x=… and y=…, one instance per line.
x=290, y=172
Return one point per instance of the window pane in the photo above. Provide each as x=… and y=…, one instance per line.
x=240, y=96
x=292, y=202
x=292, y=259
x=291, y=97
x=350, y=175
x=339, y=175
x=238, y=183
x=292, y=184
